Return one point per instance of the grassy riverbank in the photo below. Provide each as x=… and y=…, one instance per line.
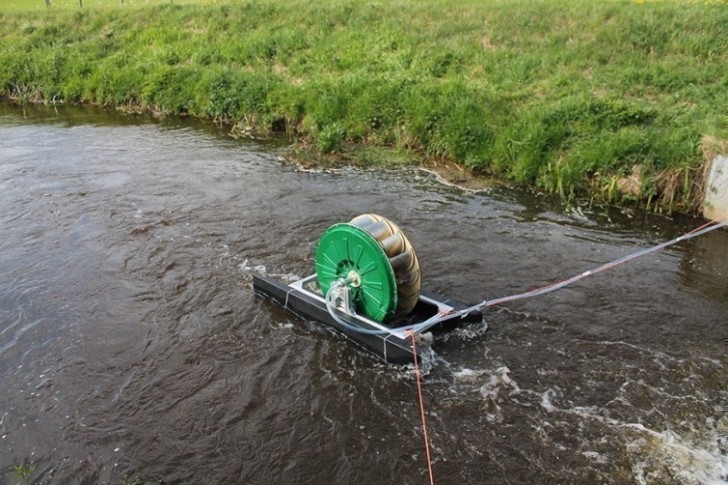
x=612, y=100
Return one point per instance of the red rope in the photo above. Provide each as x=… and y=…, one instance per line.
x=714, y=221
x=422, y=409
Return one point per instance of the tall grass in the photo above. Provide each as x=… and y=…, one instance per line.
x=564, y=94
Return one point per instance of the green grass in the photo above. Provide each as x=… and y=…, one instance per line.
x=567, y=95
x=40, y=5
x=23, y=471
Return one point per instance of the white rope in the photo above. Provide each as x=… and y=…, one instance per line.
x=557, y=286
x=401, y=332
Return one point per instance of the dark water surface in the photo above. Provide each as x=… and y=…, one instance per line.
x=132, y=348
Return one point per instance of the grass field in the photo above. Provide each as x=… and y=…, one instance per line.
x=611, y=100
x=40, y=5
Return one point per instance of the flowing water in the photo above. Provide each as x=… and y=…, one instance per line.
x=133, y=350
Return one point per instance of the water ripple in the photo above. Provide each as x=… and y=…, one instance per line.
x=132, y=345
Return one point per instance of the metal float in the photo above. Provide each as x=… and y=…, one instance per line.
x=368, y=287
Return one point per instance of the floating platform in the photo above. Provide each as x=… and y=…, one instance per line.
x=391, y=342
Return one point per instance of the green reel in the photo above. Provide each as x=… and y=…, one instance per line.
x=377, y=260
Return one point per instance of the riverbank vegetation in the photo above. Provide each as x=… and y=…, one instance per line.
x=610, y=100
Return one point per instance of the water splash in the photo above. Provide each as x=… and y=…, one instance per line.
x=697, y=457
x=692, y=459
x=248, y=269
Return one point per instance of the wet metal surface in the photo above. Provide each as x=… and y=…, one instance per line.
x=133, y=348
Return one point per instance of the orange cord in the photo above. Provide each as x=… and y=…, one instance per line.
x=714, y=221
x=422, y=409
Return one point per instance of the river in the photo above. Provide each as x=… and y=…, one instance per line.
x=133, y=349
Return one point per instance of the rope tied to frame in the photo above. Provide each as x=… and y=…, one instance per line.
x=411, y=330
x=434, y=320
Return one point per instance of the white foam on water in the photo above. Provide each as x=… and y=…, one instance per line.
x=596, y=456
x=499, y=381
x=546, y=402
x=668, y=454
x=465, y=331
x=428, y=357
x=468, y=376
x=698, y=457
x=247, y=267
x=289, y=277
x=715, y=362
x=494, y=386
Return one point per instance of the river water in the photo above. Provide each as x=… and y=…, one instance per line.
x=133, y=350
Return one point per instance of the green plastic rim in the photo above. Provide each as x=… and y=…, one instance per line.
x=343, y=248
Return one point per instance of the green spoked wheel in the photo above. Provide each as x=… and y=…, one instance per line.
x=378, y=257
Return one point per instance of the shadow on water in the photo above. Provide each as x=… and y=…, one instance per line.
x=73, y=115
x=704, y=267
x=132, y=348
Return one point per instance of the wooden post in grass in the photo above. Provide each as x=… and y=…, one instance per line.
x=48, y=3
x=80, y=3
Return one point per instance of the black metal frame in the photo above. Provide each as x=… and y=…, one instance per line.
x=392, y=348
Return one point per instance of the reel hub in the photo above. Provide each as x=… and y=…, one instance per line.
x=376, y=262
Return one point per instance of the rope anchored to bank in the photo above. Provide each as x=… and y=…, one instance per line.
x=402, y=332
x=704, y=229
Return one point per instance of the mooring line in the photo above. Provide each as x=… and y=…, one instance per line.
x=705, y=228
x=401, y=332
x=699, y=231
x=422, y=409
